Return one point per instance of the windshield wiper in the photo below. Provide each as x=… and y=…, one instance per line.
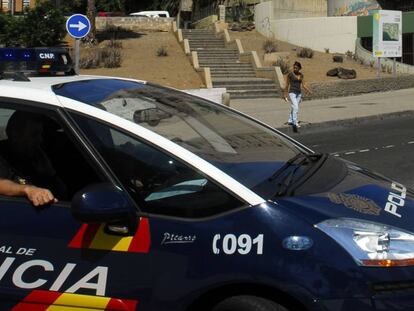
x=301, y=157
x=288, y=182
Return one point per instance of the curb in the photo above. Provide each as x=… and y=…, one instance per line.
x=349, y=122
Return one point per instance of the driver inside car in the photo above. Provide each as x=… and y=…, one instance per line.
x=25, y=157
x=37, y=196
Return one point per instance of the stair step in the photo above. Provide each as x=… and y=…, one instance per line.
x=212, y=53
x=215, y=53
x=238, y=70
x=206, y=45
x=254, y=95
x=230, y=67
x=219, y=59
x=205, y=40
x=233, y=74
x=250, y=87
x=239, y=81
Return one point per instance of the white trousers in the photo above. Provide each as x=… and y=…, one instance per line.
x=295, y=99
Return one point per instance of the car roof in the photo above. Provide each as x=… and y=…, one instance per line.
x=40, y=88
x=45, y=83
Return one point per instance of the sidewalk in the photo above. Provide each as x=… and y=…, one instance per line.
x=275, y=111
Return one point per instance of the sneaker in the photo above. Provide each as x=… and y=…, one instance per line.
x=298, y=126
x=290, y=123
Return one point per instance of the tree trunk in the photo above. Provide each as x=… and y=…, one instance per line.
x=91, y=13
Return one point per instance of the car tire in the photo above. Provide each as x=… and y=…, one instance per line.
x=248, y=303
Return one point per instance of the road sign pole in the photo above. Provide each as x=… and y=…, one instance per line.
x=394, y=67
x=77, y=26
x=77, y=55
x=378, y=67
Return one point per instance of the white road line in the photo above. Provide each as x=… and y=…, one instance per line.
x=410, y=142
x=389, y=146
x=364, y=150
x=351, y=152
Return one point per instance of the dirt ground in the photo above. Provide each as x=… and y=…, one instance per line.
x=140, y=61
x=314, y=69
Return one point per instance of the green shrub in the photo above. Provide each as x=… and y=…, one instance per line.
x=116, y=44
x=305, y=53
x=162, y=51
x=108, y=57
x=283, y=65
x=111, y=57
x=43, y=25
x=91, y=60
x=270, y=46
x=349, y=54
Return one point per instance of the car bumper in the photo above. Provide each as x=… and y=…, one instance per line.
x=390, y=302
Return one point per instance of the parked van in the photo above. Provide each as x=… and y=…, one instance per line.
x=153, y=14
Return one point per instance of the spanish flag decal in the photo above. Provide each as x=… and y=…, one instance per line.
x=42, y=300
x=93, y=236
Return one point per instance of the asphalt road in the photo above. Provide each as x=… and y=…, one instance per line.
x=385, y=146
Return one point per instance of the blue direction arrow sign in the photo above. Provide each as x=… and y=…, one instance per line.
x=78, y=26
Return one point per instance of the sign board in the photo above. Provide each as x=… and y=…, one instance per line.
x=78, y=26
x=387, y=33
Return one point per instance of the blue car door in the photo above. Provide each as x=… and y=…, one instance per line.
x=179, y=200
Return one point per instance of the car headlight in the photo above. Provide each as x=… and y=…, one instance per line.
x=371, y=244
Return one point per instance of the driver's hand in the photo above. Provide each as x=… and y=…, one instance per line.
x=39, y=196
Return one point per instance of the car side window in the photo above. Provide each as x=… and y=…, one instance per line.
x=158, y=182
x=36, y=149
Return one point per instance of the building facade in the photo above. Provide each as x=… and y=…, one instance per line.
x=17, y=6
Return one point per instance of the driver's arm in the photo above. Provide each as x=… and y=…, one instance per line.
x=38, y=196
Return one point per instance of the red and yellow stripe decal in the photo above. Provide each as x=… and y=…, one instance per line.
x=42, y=300
x=93, y=236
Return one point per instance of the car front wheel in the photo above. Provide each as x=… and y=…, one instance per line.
x=248, y=303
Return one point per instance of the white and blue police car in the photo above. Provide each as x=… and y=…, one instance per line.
x=170, y=202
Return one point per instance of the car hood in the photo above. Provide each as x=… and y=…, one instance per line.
x=359, y=194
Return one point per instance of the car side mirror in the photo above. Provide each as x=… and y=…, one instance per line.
x=103, y=202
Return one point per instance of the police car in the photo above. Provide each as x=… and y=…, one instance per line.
x=170, y=202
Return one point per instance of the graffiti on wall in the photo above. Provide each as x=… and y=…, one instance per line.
x=354, y=7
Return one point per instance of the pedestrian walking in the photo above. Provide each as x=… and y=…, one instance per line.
x=294, y=85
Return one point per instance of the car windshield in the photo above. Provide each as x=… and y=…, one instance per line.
x=244, y=149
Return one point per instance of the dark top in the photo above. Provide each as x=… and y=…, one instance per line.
x=295, y=83
x=5, y=171
x=31, y=170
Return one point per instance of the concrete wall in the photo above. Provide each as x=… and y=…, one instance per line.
x=263, y=18
x=286, y=9
x=215, y=94
x=386, y=63
x=352, y=7
x=135, y=23
x=339, y=34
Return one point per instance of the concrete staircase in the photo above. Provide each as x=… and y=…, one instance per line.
x=226, y=69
